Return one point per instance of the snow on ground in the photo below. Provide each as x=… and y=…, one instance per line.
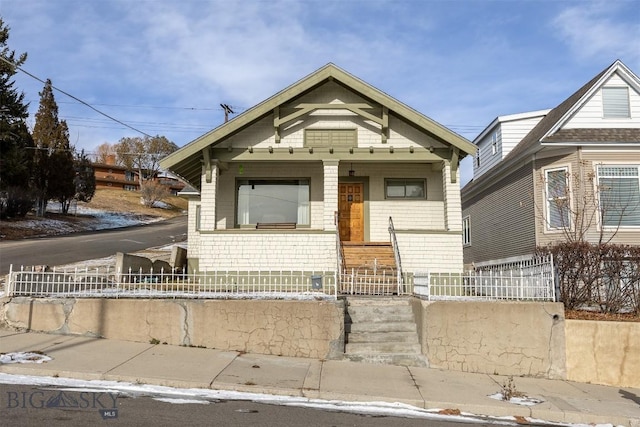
x=518, y=400
x=24, y=357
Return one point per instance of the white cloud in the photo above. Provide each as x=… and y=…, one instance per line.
x=598, y=30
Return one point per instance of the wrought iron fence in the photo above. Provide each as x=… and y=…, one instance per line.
x=531, y=279
x=110, y=283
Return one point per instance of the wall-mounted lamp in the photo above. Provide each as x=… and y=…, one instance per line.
x=310, y=150
x=411, y=149
x=350, y=150
x=270, y=149
x=250, y=149
x=331, y=150
x=371, y=149
x=391, y=149
x=290, y=150
x=351, y=171
x=431, y=148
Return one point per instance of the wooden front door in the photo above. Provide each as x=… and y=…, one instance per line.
x=351, y=211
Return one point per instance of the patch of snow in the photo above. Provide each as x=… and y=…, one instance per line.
x=24, y=357
x=517, y=400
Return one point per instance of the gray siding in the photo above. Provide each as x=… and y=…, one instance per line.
x=502, y=218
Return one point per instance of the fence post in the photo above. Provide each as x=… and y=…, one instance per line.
x=7, y=290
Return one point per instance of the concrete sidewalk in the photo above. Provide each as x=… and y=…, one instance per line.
x=188, y=367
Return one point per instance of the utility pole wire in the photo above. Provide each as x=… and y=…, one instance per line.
x=75, y=98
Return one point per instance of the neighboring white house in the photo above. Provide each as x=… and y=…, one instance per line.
x=328, y=160
x=570, y=172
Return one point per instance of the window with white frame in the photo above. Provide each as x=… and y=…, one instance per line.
x=273, y=201
x=405, y=188
x=466, y=231
x=478, y=157
x=557, y=198
x=494, y=143
x=619, y=195
x=615, y=103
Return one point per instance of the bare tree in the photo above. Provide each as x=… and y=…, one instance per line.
x=144, y=154
x=104, y=153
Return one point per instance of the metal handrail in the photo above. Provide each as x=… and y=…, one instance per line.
x=396, y=254
x=341, y=267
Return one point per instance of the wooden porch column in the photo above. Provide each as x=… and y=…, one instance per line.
x=208, y=196
x=452, y=202
x=330, y=193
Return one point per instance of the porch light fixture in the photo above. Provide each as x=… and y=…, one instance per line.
x=310, y=150
x=331, y=150
x=371, y=149
x=250, y=149
x=290, y=150
x=391, y=149
x=270, y=149
x=350, y=150
x=351, y=171
x=431, y=148
x=411, y=149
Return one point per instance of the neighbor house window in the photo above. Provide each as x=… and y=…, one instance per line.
x=615, y=102
x=273, y=201
x=198, y=217
x=466, y=231
x=478, y=157
x=557, y=196
x=405, y=189
x=619, y=195
x=494, y=143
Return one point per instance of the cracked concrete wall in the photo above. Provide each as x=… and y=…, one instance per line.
x=605, y=353
x=506, y=338
x=287, y=328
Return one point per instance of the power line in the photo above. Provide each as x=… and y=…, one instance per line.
x=75, y=98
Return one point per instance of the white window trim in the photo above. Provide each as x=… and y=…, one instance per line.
x=466, y=231
x=547, y=222
x=596, y=186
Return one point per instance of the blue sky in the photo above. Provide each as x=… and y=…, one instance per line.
x=164, y=66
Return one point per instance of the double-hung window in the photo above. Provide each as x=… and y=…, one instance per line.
x=619, y=195
x=273, y=201
x=557, y=198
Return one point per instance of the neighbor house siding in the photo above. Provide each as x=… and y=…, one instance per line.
x=591, y=114
x=502, y=219
x=513, y=132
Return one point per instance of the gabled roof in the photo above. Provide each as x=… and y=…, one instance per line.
x=558, y=116
x=509, y=118
x=188, y=158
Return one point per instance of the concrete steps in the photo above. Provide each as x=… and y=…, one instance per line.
x=382, y=330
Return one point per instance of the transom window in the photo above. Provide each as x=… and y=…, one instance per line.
x=273, y=201
x=405, y=189
x=619, y=194
x=557, y=195
x=615, y=102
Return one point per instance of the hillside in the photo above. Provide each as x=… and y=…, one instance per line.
x=108, y=209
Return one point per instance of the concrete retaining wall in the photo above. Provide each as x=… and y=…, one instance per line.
x=603, y=352
x=289, y=328
x=506, y=338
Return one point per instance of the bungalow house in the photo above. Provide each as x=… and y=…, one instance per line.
x=316, y=176
x=570, y=173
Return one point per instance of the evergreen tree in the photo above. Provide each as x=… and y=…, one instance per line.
x=16, y=144
x=85, y=180
x=53, y=162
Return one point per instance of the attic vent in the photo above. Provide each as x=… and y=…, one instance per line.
x=330, y=138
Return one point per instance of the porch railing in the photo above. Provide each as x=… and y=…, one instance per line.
x=396, y=254
x=110, y=283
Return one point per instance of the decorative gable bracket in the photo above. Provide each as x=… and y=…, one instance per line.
x=359, y=109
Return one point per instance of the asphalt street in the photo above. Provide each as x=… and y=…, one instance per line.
x=90, y=245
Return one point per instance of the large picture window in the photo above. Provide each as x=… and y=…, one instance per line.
x=619, y=193
x=557, y=195
x=405, y=189
x=273, y=201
